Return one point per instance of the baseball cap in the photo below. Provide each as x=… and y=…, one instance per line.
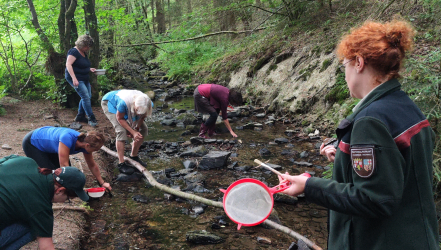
x=73, y=179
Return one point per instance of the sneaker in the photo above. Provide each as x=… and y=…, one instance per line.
x=92, y=122
x=81, y=118
x=125, y=169
x=137, y=159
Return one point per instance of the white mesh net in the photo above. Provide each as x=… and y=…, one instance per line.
x=248, y=203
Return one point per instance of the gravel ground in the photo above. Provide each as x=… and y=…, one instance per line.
x=24, y=116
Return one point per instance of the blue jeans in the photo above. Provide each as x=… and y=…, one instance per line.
x=85, y=92
x=14, y=236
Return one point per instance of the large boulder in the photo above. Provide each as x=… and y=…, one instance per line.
x=214, y=159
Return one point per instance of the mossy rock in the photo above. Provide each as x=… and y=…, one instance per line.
x=325, y=64
x=340, y=92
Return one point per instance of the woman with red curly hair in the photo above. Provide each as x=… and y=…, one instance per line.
x=380, y=195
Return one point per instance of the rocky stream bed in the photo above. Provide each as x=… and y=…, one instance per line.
x=139, y=216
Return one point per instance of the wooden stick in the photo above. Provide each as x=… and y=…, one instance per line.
x=266, y=166
x=167, y=189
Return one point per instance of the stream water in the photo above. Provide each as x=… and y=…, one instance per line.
x=139, y=216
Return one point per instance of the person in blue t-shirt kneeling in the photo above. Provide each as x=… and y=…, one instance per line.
x=50, y=147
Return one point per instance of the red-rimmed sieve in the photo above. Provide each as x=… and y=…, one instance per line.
x=249, y=202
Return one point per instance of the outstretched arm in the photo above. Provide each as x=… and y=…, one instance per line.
x=227, y=124
x=96, y=171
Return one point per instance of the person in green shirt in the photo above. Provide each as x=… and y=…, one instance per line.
x=26, y=196
x=380, y=195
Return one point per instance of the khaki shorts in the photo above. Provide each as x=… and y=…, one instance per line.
x=121, y=133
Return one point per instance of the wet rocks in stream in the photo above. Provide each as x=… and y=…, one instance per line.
x=281, y=140
x=195, y=152
x=214, y=159
x=140, y=198
x=189, y=164
x=129, y=178
x=264, y=152
x=203, y=237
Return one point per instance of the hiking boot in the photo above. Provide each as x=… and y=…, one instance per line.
x=81, y=118
x=211, y=130
x=92, y=121
x=137, y=159
x=202, y=131
x=126, y=169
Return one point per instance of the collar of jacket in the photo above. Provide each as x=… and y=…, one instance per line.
x=382, y=90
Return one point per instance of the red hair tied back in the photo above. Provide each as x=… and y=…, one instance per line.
x=383, y=46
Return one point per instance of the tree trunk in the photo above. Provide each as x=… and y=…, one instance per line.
x=5, y=59
x=169, y=15
x=55, y=62
x=189, y=8
x=46, y=43
x=92, y=28
x=62, y=26
x=160, y=17
x=71, y=6
x=178, y=12
x=153, y=15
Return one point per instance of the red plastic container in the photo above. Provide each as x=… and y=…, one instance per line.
x=96, y=192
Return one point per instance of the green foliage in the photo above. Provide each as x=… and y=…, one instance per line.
x=340, y=92
x=190, y=87
x=325, y=64
x=327, y=174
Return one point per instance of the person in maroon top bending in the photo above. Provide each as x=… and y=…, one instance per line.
x=211, y=99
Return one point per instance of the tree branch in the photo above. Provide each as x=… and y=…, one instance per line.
x=266, y=19
x=167, y=189
x=38, y=28
x=192, y=38
x=260, y=8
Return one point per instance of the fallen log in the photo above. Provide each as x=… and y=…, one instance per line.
x=167, y=189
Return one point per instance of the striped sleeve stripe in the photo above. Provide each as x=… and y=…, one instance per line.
x=344, y=147
x=403, y=139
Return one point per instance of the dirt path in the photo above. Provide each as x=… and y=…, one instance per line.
x=22, y=117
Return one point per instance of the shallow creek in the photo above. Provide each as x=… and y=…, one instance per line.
x=139, y=216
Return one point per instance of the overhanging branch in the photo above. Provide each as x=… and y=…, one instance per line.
x=194, y=38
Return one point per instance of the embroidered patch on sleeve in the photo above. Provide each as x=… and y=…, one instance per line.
x=363, y=160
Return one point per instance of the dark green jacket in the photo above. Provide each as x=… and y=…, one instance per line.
x=26, y=195
x=380, y=196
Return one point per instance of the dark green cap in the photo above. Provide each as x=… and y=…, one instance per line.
x=73, y=179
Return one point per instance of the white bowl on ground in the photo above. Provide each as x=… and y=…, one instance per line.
x=96, y=192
